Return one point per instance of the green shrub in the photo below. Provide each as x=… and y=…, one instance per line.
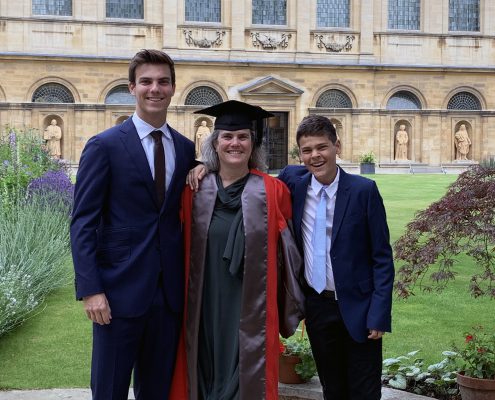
x=408, y=373
x=23, y=157
x=34, y=249
x=35, y=203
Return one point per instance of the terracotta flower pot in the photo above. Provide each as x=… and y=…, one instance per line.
x=287, y=369
x=476, y=389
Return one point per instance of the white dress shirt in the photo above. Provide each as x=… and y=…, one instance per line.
x=308, y=223
x=144, y=129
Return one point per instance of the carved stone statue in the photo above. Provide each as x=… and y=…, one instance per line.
x=462, y=143
x=201, y=134
x=52, y=135
x=401, y=144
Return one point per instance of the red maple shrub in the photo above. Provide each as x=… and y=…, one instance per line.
x=462, y=221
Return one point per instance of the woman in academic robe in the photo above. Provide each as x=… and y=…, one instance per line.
x=242, y=267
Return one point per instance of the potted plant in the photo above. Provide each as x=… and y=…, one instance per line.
x=294, y=153
x=367, y=163
x=476, y=378
x=296, y=363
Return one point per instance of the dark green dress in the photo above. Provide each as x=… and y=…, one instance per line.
x=218, y=350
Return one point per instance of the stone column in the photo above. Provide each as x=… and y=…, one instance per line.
x=303, y=25
x=239, y=18
x=170, y=18
x=366, y=28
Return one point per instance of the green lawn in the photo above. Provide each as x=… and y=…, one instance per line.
x=52, y=349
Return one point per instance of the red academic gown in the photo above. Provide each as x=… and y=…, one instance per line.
x=272, y=299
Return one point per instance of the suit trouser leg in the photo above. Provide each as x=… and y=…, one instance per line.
x=114, y=352
x=348, y=370
x=128, y=343
x=158, y=348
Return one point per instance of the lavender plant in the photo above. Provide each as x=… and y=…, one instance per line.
x=35, y=202
x=34, y=257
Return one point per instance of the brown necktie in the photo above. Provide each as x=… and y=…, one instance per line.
x=159, y=156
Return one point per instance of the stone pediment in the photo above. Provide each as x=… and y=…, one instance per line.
x=270, y=86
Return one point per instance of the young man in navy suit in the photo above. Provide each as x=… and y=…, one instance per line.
x=126, y=238
x=341, y=228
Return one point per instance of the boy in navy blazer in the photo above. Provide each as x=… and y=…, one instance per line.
x=349, y=289
x=126, y=238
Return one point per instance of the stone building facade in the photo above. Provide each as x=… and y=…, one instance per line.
x=368, y=65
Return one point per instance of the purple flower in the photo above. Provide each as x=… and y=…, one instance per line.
x=53, y=184
x=6, y=163
x=12, y=139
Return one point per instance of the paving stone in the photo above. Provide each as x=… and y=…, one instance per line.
x=307, y=391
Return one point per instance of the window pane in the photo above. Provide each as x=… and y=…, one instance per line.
x=269, y=12
x=404, y=14
x=403, y=101
x=52, y=7
x=464, y=15
x=332, y=13
x=132, y=9
x=334, y=98
x=203, y=96
x=120, y=95
x=464, y=101
x=52, y=93
x=203, y=10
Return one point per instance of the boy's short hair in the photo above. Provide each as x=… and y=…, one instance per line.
x=316, y=125
x=150, y=56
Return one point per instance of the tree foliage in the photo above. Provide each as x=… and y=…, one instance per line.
x=462, y=221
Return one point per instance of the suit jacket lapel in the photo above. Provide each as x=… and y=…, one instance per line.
x=300, y=191
x=343, y=193
x=132, y=143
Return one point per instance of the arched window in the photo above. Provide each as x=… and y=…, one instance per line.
x=403, y=100
x=203, y=10
x=52, y=7
x=464, y=15
x=269, y=12
x=203, y=96
x=120, y=95
x=52, y=93
x=131, y=9
x=404, y=14
x=332, y=13
x=464, y=101
x=334, y=98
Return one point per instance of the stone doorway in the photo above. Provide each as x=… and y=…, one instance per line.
x=275, y=141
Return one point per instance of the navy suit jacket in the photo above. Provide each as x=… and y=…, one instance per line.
x=121, y=239
x=361, y=255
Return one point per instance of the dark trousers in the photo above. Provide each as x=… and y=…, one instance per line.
x=146, y=344
x=348, y=370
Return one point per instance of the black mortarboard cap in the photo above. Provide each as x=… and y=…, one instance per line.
x=233, y=115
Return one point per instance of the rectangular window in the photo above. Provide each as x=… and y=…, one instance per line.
x=332, y=14
x=52, y=7
x=464, y=15
x=270, y=12
x=203, y=10
x=404, y=14
x=131, y=9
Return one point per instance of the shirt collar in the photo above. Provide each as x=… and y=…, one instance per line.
x=144, y=129
x=330, y=189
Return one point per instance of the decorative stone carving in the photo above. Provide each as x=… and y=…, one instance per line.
x=462, y=143
x=401, y=144
x=53, y=135
x=204, y=43
x=269, y=42
x=201, y=134
x=332, y=46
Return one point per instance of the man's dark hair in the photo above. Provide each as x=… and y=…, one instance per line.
x=150, y=56
x=316, y=125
